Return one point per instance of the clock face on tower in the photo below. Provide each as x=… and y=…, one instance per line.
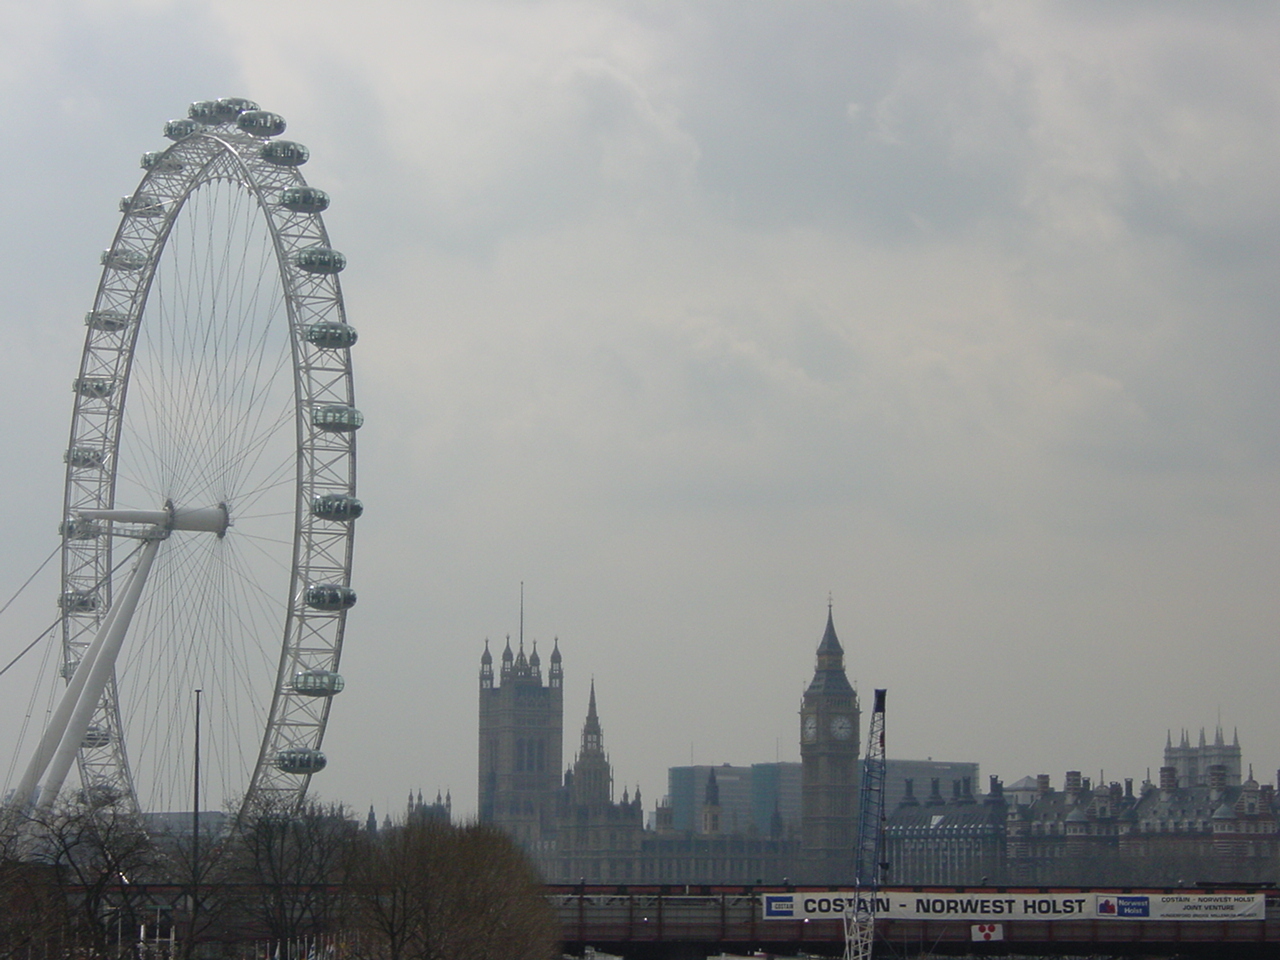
x=809, y=729
x=841, y=727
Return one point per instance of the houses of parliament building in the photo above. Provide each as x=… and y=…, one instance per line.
x=574, y=829
x=787, y=822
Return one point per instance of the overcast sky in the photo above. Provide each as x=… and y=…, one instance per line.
x=689, y=315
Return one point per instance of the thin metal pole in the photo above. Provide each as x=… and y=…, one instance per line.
x=195, y=828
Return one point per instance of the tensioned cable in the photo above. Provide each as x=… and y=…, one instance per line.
x=48, y=631
x=45, y=631
x=44, y=564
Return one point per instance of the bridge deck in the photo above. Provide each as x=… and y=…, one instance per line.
x=701, y=920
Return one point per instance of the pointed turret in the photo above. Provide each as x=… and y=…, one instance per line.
x=592, y=734
x=486, y=667
x=507, y=659
x=555, y=676
x=592, y=782
x=829, y=676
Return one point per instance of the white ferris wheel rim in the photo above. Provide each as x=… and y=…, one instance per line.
x=216, y=381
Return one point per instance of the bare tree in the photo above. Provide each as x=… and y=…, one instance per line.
x=290, y=868
x=432, y=891
x=94, y=858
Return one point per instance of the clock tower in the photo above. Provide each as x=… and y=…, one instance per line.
x=829, y=729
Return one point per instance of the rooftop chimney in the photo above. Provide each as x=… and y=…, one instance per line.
x=909, y=798
x=935, y=793
x=1071, y=786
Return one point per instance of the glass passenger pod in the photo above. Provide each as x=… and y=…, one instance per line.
x=318, y=683
x=161, y=162
x=122, y=258
x=99, y=795
x=304, y=200
x=220, y=111
x=108, y=321
x=181, y=129
x=95, y=388
x=284, y=153
x=95, y=737
x=299, y=760
x=319, y=260
x=330, y=597
x=142, y=205
x=331, y=335
x=336, y=506
x=85, y=458
x=78, y=601
x=77, y=528
x=261, y=123
x=337, y=418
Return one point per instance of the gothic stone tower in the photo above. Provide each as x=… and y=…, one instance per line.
x=829, y=730
x=521, y=743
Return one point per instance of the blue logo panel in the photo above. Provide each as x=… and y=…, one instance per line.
x=779, y=906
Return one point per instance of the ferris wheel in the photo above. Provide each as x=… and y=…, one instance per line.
x=210, y=500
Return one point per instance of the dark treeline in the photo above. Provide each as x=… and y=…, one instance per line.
x=88, y=881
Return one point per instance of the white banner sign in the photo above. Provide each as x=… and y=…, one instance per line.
x=907, y=905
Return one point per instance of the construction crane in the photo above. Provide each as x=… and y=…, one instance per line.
x=860, y=915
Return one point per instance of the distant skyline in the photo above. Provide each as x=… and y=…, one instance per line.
x=691, y=315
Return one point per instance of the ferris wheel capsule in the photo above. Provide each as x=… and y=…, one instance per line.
x=108, y=321
x=284, y=153
x=336, y=506
x=320, y=259
x=330, y=597
x=332, y=335
x=318, y=683
x=261, y=123
x=222, y=111
x=304, y=200
x=300, y=760
x=123, y=258
x=337, y=418
x=181, y=129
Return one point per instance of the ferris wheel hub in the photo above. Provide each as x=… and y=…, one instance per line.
x=207, y=519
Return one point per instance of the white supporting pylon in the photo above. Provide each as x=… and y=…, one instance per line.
x=66, y=731
x=100, y=671
x=70, y=722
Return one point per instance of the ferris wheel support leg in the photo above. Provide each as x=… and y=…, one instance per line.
x=24, y=794
x=97, y=674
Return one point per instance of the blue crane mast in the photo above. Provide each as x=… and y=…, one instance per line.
x=859, y=920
